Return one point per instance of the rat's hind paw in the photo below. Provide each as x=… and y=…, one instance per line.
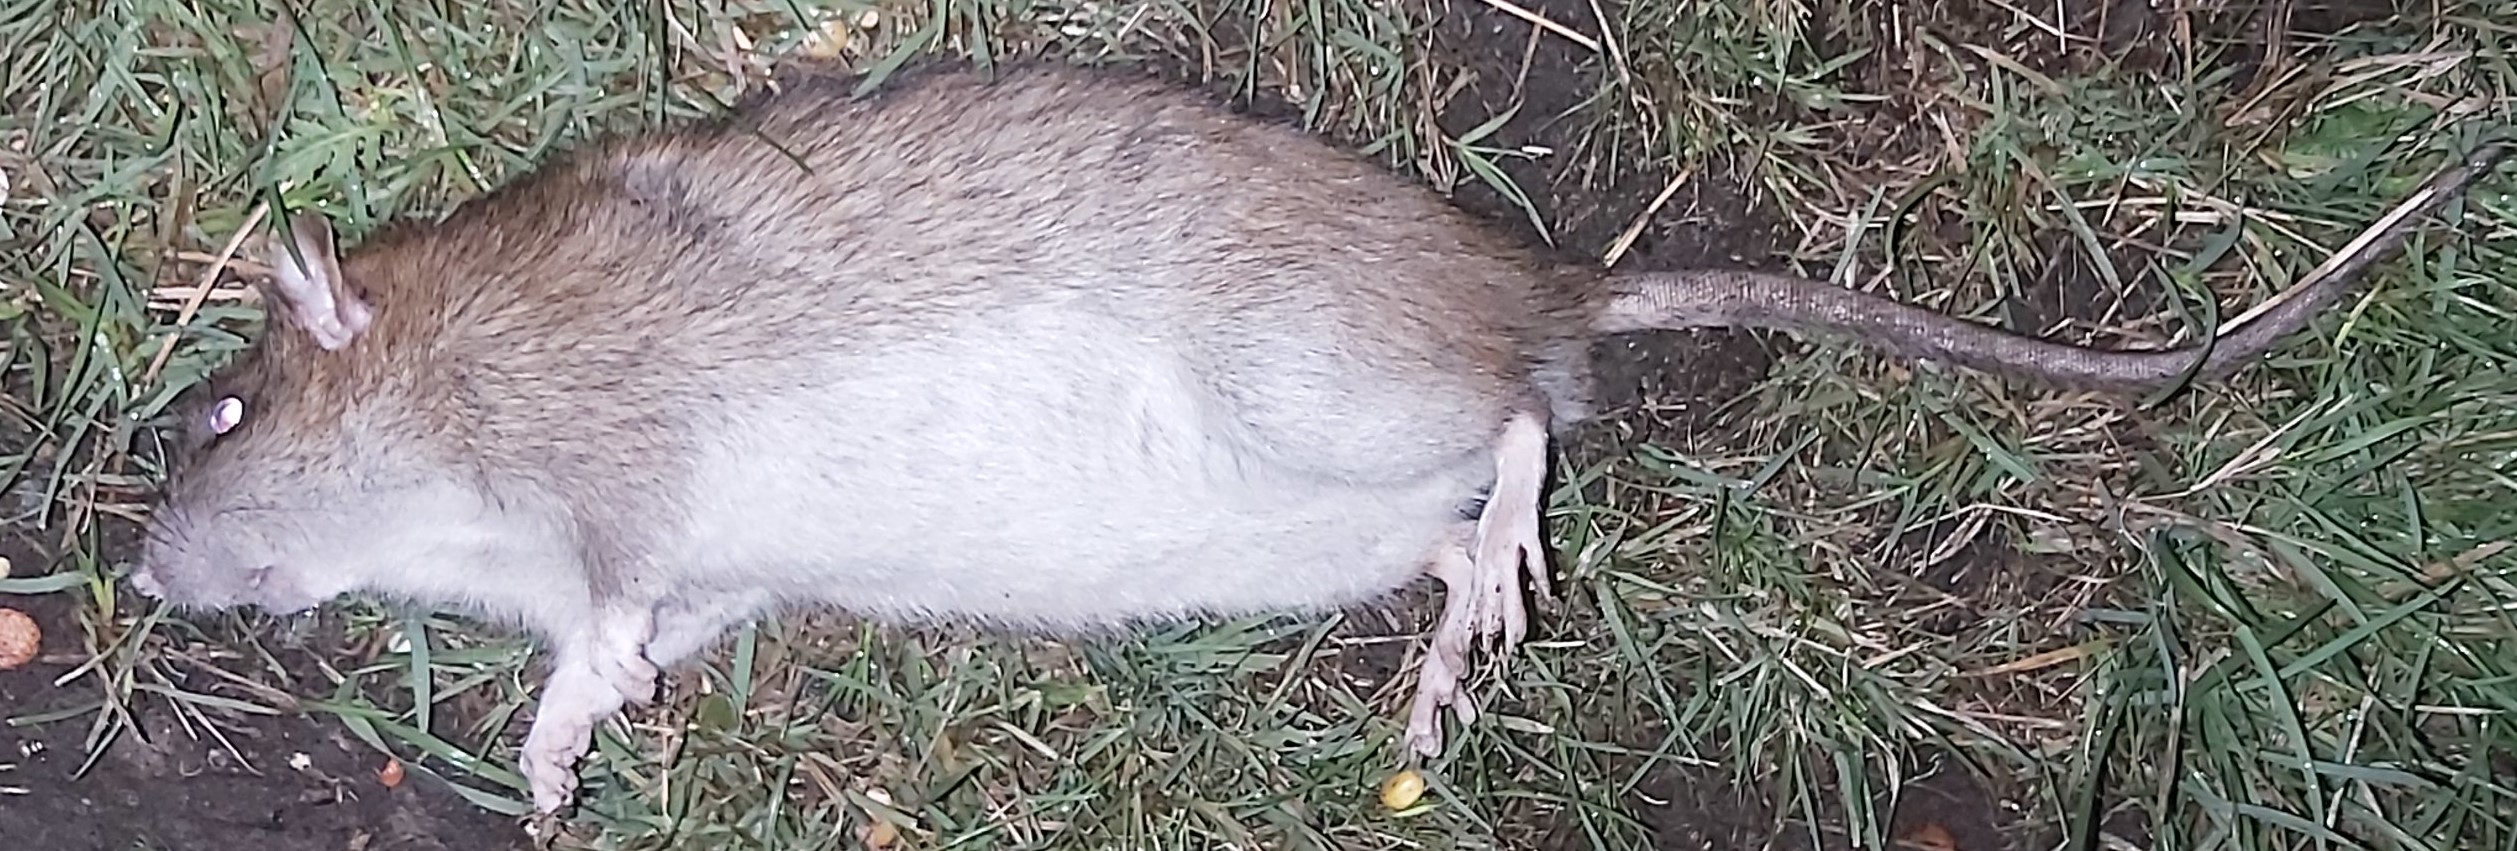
x=1507, y=540
x=1482, y=582
x=1446, y=660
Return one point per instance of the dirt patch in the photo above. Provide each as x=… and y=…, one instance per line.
x=275, y=783
x=2255, y=41
x=1948, y=808
x=2067, y=285
x=1945, y=806
x=1701, y=810
x=1952, y=577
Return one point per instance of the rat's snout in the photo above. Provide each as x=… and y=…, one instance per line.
x=191, y=566
x=145, y=581
x=151, y=575
x=218, y=565
x=147, y=573
x=167, y=570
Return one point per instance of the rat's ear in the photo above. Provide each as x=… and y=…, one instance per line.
x=309, y=285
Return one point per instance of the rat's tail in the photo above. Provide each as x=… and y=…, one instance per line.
x=1706, y=298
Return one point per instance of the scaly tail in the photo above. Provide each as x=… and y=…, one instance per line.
x=1708, y=298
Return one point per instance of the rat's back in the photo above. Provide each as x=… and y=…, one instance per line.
x=952, y=192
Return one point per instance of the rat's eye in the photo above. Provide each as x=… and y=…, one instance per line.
x=226, y=414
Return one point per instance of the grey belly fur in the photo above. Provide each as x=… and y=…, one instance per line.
x=1052, y=469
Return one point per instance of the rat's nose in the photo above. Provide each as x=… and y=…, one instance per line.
x=146, y=583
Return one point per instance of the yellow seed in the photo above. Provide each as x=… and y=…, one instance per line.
x=828, y=42
x=1402, y=789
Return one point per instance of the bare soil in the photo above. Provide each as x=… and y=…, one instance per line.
x=291, y=782
x=1946, y=808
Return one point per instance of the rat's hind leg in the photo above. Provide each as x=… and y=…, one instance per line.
x=1508, y=537
x=1482, y=581
x=1446, y=659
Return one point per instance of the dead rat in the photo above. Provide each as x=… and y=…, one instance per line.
x=1068, y=351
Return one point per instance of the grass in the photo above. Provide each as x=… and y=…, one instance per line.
x=2274, y=614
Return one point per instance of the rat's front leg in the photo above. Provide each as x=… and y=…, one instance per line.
x=574, y=699
x=593, y=674
x=622, y=633
x=695, y=620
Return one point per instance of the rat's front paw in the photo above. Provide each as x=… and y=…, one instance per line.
x=549, y=762
x=621, y=654
x=631, y=675
x=578, y=696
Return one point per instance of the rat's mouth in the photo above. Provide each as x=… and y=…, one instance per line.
x=266, y=587
x=280, y=592
x=146, y=583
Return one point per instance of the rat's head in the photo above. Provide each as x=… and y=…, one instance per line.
x=273, y=457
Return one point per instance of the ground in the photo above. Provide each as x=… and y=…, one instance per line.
x=163, y=786
x=1814, y=598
